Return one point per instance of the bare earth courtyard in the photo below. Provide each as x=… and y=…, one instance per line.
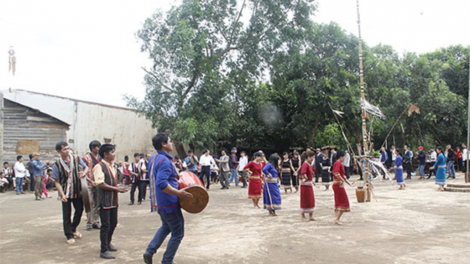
x=418, y=225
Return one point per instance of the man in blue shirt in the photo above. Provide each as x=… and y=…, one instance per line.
x=38, y=172
x=408, y=161
x=164, y=197
x=191, y=161
x=422, y=162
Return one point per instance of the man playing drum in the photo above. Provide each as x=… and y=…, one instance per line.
x=164, y=197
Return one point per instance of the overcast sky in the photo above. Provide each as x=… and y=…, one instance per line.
x=88, y=50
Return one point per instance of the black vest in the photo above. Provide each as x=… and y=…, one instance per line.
x=108, y=199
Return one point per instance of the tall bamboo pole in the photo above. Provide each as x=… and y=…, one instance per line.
x=365, y=143
x=467, y=175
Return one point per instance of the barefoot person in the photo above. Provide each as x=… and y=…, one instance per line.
x=105, y=177
x=441, y=169
x=307, y=197
x=271, y=193
x=339, y=178
x=254, y=170
x=164, y=197
x=295, y=163
x=66, y=173
x=399, y=170
x=285, y=167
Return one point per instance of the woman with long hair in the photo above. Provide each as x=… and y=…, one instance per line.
x=285, y=172
x=271, y=193
x=254, y=169
x=339, y=179
x=399, y=170
x=325, y=172
x=295, y=163
x=441, y=169
x=307, y=197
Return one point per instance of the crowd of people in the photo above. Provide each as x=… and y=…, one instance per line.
x=264, y=178
x=441, y=162
x=96, y=179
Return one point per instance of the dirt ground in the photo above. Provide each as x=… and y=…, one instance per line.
x=418, y=225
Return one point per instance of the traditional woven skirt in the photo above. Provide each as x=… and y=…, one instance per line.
x=295, y=180
x=254, y=187
x=307, y=197
x=341, y=199
x=441, y=175
x=325, y=176
x=399, y=176
x=271, y=195
x=285, y=179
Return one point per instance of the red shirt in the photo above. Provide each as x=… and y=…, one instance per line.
x=306, y=169
x=338, y=167
x=458, y=154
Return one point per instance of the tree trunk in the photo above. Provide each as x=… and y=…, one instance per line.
x=314, y=131
x=179, y=149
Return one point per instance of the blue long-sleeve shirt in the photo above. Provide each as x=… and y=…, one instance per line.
x=38, y=167
x=441, y=161
x=269, y=169
x=164, y=174
x=384, y=157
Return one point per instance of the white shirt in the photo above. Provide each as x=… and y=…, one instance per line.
x=347, y=160
x=242, y=163
x=206, y=160
x=394, y=156
x=433, y=156
x=20, y=170
x=464, y=154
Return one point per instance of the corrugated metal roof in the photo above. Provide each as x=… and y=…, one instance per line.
x=36, y=110
x=71, y=99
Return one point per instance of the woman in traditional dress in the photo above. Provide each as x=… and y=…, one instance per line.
x=295, y=167
x=254, y=170
x=307, y=197
x=271, y=193
x=441, y=169
x=399, y=170
x=285, y=172
x=325, y=172
x=339, y=178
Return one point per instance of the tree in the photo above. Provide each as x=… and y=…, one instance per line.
x=202, y=52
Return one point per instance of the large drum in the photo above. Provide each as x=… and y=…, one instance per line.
x=192, y=184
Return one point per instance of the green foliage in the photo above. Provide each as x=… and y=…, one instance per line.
x=260, y=73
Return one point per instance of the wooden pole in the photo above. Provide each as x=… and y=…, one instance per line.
x=467, y=174
x=365, y=144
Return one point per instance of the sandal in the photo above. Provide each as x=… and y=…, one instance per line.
x=71, y=241
x=77, y=234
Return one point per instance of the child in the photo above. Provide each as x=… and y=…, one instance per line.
x=3, y=183
x=46, y=178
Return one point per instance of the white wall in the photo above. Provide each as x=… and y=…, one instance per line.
x=131, y=133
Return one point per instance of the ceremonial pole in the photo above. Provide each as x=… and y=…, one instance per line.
x=365, y=143
x=467, y=175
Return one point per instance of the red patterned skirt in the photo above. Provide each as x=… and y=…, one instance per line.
x=307, y=198
x=341, y=199
x=255, y=188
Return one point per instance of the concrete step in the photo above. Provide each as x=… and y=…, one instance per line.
x=450, y=189
x=457, y=185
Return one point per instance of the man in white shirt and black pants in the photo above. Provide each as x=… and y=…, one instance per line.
x=346, y=163
x=432, y=161
x=206, y=160
x=464, y=157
